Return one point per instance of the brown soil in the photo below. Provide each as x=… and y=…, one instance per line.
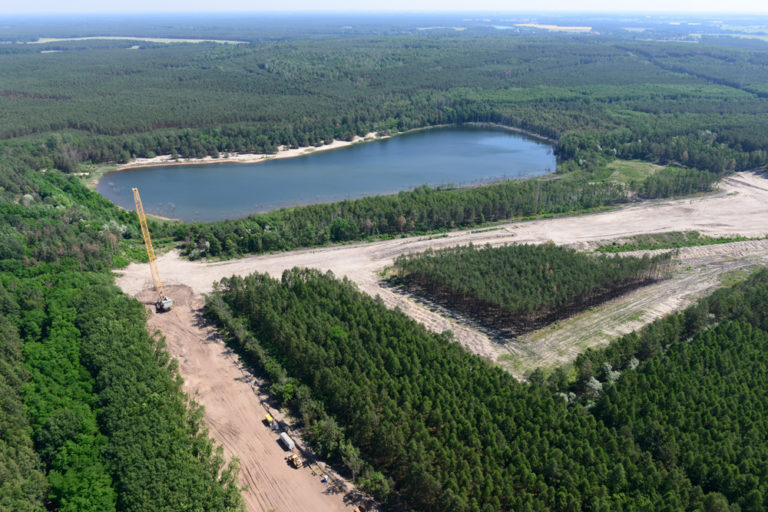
x=235, y=407
x=234, y=400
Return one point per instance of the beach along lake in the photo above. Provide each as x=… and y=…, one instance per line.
x=459, y=156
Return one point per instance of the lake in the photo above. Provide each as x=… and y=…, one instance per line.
x=439, y=156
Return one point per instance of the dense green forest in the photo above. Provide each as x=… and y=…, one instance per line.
x=522, y=287
x=701, y=408
x=689, y=389
x=600, y=97
x=440, y=429
x=94, y=418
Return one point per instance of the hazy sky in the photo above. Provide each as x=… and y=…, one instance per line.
x=102, y=6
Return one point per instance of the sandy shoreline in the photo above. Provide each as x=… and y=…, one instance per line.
x=235, y=158
x=283, y=152
x=246, y=158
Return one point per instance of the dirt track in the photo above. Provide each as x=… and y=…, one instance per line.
x=741, y=207
x=235, y=406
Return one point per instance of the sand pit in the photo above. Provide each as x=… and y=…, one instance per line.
x=232, y=398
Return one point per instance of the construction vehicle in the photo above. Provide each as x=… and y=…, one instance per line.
x=295, y=460
x=163, y=303
x=269, y=419
x=287, y=441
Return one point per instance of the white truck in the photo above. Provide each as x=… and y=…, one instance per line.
x=287, y=441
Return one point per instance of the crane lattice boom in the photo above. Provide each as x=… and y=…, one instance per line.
x=163, y=302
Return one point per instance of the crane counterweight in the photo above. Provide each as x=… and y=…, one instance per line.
x=163, y=302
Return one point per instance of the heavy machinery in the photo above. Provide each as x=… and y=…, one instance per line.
x=287, y=441
x=295, y=460
x=163, y=303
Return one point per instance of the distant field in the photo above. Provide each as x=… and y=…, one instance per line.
x=162, y=40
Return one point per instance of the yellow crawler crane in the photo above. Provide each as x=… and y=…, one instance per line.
x=163, y=303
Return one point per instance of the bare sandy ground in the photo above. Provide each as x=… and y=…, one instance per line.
x=234, y=401
x=235, y=406
x=697, y=272
x=247, y=158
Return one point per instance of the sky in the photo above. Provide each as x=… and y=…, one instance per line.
x=170, y=6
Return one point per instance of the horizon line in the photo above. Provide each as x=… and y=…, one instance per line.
x=388, y=12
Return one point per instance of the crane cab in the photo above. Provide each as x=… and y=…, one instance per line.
x=164, y=304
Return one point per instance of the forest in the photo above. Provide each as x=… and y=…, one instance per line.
x=92, y=413
x=669, y=240
x=438, y=428
x=599, y=97
x=688, y=389
x=518, y=288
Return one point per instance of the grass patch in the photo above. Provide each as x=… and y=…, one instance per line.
x=625, y=171
x=485, y=230
x=669, y=240
x=512, y=364
x=95, y=172
x=134, y=251
x=635, y=317
x=733, y=277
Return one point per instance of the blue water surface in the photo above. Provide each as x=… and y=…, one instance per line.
x=439, y=156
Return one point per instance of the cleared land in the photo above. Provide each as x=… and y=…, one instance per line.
x=234, y=404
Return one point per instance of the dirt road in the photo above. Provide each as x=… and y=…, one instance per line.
x=233, y=407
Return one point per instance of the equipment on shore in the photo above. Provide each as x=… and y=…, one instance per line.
x=163, y=303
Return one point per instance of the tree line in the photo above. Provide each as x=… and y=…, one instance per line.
x=423, y=209
x=522, y=287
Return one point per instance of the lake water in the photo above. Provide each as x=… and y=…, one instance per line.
x=440, y=156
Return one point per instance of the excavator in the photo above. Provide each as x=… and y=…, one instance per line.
x=163, y=303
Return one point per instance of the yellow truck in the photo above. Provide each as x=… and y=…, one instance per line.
x=269, y=419
x=295, y=460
